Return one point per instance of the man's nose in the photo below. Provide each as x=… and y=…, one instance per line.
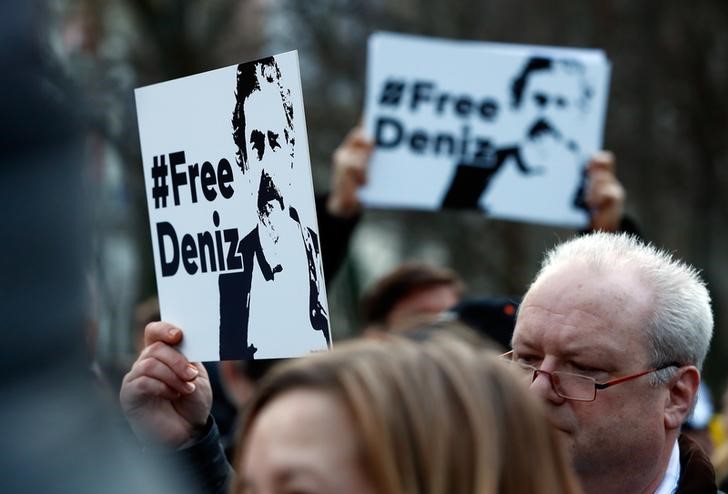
x=542, y=385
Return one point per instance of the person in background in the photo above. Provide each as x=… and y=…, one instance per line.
x=392, y=417
x=411, y=294
x=339, y=211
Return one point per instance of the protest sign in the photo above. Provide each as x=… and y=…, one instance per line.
x=506, y=129
x=231, y=210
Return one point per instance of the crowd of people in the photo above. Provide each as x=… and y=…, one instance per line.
x=583, y=385
x=610, y=337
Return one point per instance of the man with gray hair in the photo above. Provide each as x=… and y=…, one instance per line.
x=612, y=334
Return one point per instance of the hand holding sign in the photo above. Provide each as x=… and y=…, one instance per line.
x=165, y=398
x=605, y=195
x=350, y=160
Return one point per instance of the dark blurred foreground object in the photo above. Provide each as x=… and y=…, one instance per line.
x=62, y=436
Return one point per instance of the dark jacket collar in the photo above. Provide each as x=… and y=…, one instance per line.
x=696, y=472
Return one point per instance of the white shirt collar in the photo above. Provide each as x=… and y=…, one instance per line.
x=672, y=474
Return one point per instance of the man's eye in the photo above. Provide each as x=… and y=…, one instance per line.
x=273, y=140
x=257, y=139
x=528, y=359
x=540, y=99
x=585, y=369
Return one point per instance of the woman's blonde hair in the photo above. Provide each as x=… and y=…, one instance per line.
x=437, y=417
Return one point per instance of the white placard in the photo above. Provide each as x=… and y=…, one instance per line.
x=506, y=129
x=232, y=214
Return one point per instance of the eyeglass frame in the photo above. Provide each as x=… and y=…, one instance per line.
x=597, y=385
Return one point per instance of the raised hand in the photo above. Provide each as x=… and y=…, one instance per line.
x=165, y=398
x=350, y=162
x=605, y=195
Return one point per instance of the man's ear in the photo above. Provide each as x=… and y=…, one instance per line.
x=683, y=389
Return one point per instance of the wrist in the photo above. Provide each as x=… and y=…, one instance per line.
x=198, y=433
x=342, y=208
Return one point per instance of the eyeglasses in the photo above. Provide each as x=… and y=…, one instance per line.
x=577, y=387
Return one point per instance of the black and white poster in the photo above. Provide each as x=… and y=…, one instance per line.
x=232, y=214
x=504, y=129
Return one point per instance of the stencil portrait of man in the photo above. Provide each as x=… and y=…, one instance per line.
x=546, y=96
x=265, y=141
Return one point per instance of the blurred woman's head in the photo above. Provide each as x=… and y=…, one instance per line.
x=398, y=417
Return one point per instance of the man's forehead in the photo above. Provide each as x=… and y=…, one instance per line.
x=555, y=80
x=269, y=89
x=606, y=350
x=572, y=321
x=577, y=311
x=264, y=107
